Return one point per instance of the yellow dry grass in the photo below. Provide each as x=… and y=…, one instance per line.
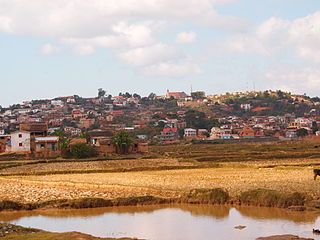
x=169, y=183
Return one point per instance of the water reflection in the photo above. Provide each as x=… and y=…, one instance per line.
x=171, y=222
x=277, y=213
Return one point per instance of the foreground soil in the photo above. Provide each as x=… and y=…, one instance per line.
x=13, y=232
x=284, y=237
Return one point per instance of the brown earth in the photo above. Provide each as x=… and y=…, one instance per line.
x=283, y=237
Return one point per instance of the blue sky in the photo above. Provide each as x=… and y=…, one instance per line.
x=66, y=47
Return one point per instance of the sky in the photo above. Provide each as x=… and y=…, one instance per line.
x=67, y=47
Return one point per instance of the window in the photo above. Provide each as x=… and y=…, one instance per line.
x=20, y=144
x=42, y=145
x=20, y=135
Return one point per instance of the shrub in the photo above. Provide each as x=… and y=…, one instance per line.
x=83, y=150
x=133, y=201
x=271, y=198
x=213, y=196
x=86, y=203
x=10, y=205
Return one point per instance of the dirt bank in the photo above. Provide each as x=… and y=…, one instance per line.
x=13, y=232
x=283, y=237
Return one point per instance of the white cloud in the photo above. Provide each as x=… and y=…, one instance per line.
x=304, y=34
x=301, y=36
x=82, y=18
x=244, y=44
x=150, y=55
x=129, y=27
x=83, y=50
x=293, y=78
x=172, y=70
x=50, y=50
x=186, y=37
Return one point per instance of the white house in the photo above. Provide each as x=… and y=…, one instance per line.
x=58, y=103
x=246, y=106
x=190, y=133
x=216, y=133
x=20, y=141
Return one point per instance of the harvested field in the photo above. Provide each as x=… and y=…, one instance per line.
x=171, y=183
x=285, y=167
x=95, y=165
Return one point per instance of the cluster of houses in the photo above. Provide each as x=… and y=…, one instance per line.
x=283, y=127
x=33, y=141
x=30, y=126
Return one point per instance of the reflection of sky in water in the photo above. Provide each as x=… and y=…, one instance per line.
x=173, y=224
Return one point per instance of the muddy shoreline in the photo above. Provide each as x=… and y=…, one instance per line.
x=216, y=196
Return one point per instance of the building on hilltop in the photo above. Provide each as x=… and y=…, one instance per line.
x=176, y=95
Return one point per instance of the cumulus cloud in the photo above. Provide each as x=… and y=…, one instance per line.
x=304, y=34
x=50, y=50
x=244, y=44
x=129, y=27
x=293, y=78
x=186, y=37
x=150, y=55
x=81, y=18
x=172, y=70
x=83, y=50
x=275, y=34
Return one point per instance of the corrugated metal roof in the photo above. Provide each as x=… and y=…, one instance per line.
x=47, y=139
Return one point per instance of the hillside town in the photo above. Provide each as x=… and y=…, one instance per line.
x=33, y=126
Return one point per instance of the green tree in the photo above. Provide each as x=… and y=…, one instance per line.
x=152, y=96
x=101, y=92
x=314, y=127
x=83, y=150
x=135, y=95
x=195, y=119
x=302, y=132
x=198, y=95
x=64, y=139
x=123, y=142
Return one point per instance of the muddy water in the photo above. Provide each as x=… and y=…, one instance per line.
x=171, y=222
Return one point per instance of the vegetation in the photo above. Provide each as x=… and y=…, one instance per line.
x=82, y=150
x=205, y=196
x=123, y=142
x=302, y=132
x=271, y=198
x=64, y=139
x=197, y=119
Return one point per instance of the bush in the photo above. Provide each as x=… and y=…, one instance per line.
x=271, y=198
x=10, y=205
x=204, y=196
x=142, y=200
x=82, y=150
x=86, y=203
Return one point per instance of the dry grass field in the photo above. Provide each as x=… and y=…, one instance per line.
x=286, y=167
x=170, y=183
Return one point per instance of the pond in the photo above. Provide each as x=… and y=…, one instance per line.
x=171, y=222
